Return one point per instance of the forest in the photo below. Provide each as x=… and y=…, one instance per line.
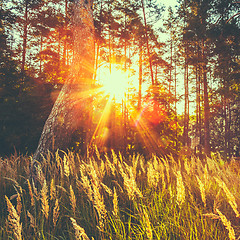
x=163, y=78
x=119, y=119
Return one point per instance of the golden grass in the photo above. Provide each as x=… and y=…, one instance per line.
x=103, y=195
x=44, y=200
x=180, y=189
x=30, y=193
x=115, y=203
x=98, y=202
x=14, y=220
x=32, y=220
x=52, y=190
x=202, y=190
x=230, y=197
x=56, y=213
x=19, y=204
x=66, y=166
x=227, y=224
x=148, y=225
x=72, y=199
x=79, y=231
x=129, y=182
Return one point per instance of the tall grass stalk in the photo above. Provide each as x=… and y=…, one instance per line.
x=111, y=196
x=13, y=220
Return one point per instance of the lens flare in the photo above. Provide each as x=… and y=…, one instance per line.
x=115, y=83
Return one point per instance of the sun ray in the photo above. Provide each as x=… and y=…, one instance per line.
x=148, y=137
x=101, y=131
x=109, y=101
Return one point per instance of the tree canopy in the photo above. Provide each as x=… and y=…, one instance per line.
x=162, y=78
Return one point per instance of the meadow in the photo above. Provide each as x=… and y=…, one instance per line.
x=108, y=196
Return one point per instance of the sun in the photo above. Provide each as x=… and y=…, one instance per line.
x=115, y=83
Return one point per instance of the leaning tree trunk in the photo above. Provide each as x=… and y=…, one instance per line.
x=66, y=113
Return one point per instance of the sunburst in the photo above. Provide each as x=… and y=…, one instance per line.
x=115, y=83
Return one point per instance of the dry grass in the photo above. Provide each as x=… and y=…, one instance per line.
x=13, y=220
x=113, y=197
x=44, y=200
x=79, y=231
x=227, y=224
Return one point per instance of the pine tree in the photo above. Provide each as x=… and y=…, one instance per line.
x=71, y=105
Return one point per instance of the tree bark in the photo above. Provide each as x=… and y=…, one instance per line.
x=72, y=101
x=207, y=147
x=148, y=48
x=206, y=115
x=25, y=31
x=140, y=78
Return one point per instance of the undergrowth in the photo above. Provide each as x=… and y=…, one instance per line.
x=112, y=197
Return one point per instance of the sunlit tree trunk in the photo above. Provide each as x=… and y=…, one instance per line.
x=186, y=107
x=171, y=62
x=206, y=116
x=97, y=49
x=206, y=104
x=186, y=96
x=24, y=46
x=24, y=37
x=198, y=98
x=72, y=102
x=199, y=109
x=175, y=105
x=40, y=62
x=65, y=39
x=109, y=38
x=227, y=120
x=147, y=42
x=140, y=78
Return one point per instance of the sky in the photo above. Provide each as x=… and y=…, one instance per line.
x=168, y=3
x=180, y=84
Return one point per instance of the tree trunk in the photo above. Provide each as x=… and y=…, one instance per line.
x=206, y=113
x=227, y=120
x=186, y=106
x=68, y=109
x=140, y=78
x=148, y=48
x=175, y=105
x=171, y=63
x=24, y=46
x=24, y=38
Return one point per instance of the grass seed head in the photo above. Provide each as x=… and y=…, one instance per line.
x=32, y=220
x=187, y=167
x=180, y=189
x=72, y=199
x=107, y=189
x=30, y=193
x=55, y=213
x=152, y=175
x=14, y=220
x=44, y=200
x=86, y=186
x=230, y=197
x=167, y=168
x=148, y=225
x=99, y=205
x=66, y=166
x=19, y=204
x=79, y=231
x=115, y=202
x=227, y=224
x=52, y=190
x=202, y=190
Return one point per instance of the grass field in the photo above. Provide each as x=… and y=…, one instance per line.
x=111, y=197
